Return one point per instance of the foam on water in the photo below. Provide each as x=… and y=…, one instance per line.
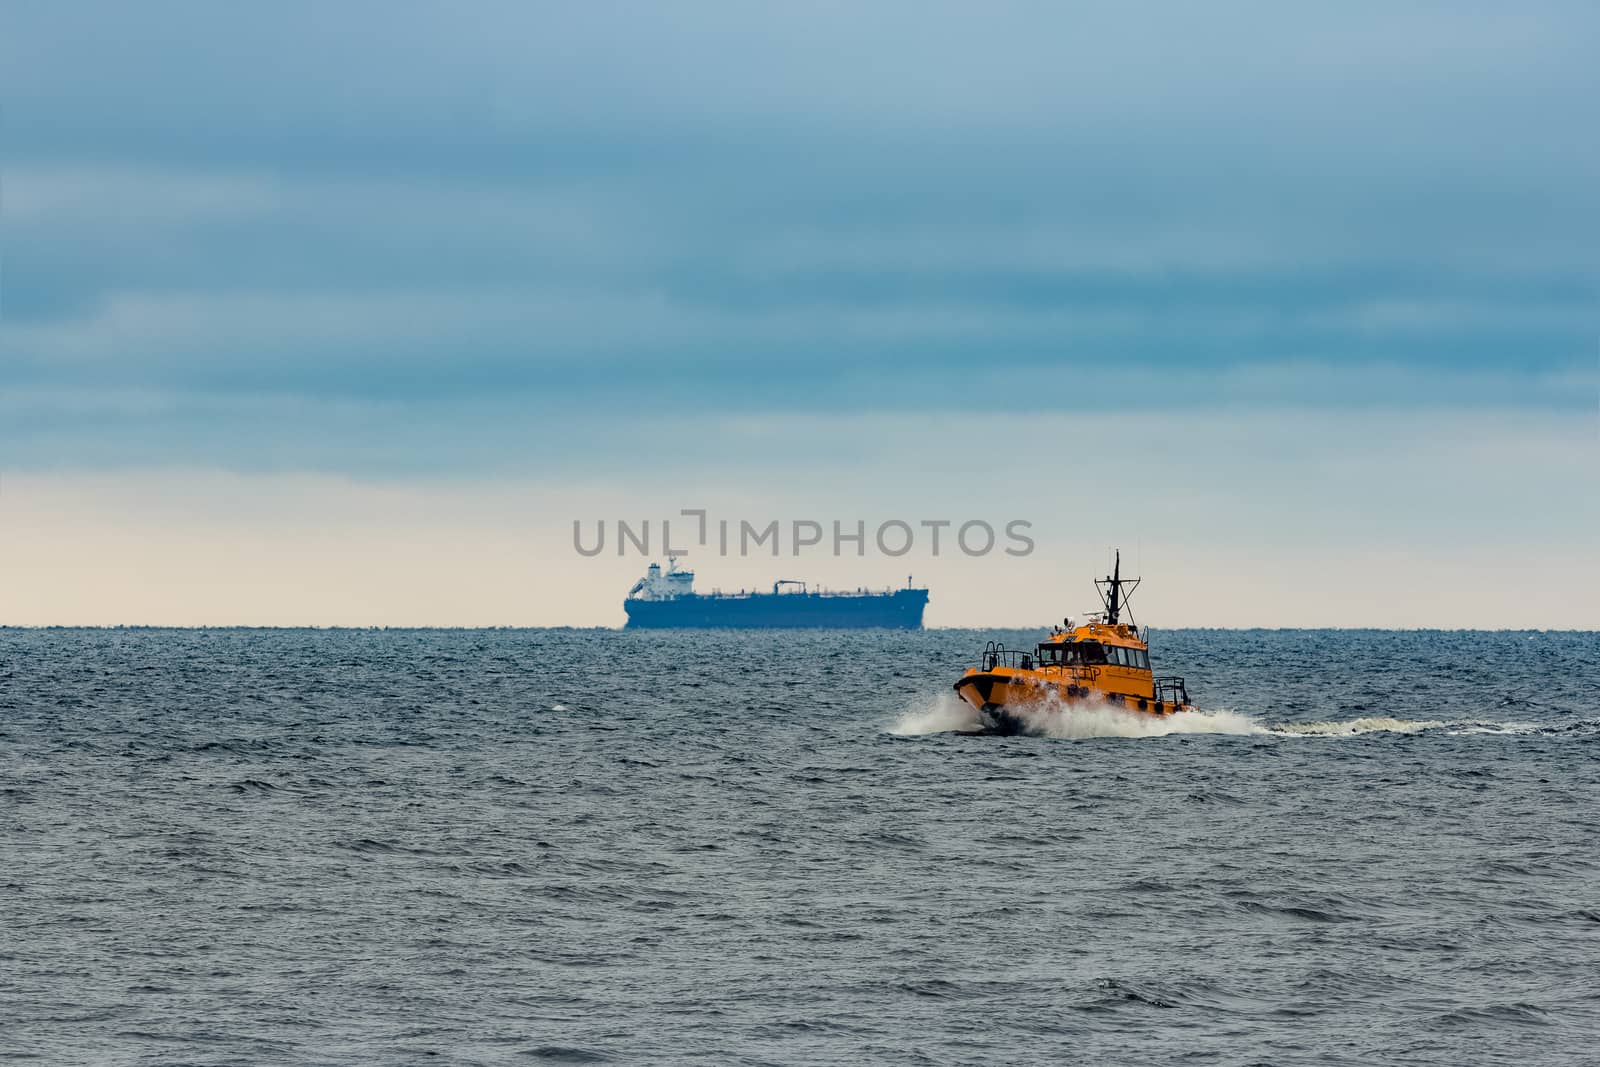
x=1087, y=720
x=1459, y=729
x=1353, y=727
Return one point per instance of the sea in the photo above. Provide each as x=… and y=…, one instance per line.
x=275, y=847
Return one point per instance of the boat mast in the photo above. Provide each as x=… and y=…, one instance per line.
x=1116, y=590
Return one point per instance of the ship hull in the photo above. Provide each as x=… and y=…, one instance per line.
x=900, y=610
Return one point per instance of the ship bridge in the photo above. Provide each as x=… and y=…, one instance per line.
x=663, y=585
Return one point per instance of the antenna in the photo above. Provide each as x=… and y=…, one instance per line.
x=1113, y=595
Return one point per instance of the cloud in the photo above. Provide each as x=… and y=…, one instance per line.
x=365, y=72
x=353, y=238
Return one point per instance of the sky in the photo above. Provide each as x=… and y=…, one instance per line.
x=344, y=314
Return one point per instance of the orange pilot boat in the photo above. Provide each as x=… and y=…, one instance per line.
x=1102, y=662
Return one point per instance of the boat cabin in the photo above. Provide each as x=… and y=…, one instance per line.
x=1092, y=650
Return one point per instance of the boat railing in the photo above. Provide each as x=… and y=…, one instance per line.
x=1172, y=690
x=997, y=655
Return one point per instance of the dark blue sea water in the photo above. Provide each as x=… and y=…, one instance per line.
x=388, y=847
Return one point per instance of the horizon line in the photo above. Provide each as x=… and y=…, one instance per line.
x=760, y=629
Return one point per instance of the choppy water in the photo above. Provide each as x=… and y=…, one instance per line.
x=297, y=847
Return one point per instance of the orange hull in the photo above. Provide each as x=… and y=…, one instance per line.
x=1003, y=687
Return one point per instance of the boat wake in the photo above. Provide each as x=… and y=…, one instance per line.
x=1374, y=724
x=1383, y=724
x=948, y=713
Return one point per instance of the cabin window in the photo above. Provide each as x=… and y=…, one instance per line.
x=1049, y=654
x=1121, y=656
x=1085, y=652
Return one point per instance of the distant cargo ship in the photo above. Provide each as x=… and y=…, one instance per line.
x=667, y=599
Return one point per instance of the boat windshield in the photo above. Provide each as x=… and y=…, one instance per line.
x=1092, y=653
x=1072, y=655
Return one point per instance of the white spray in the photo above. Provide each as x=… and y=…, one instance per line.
x=1079, y=719
x=948, y=713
